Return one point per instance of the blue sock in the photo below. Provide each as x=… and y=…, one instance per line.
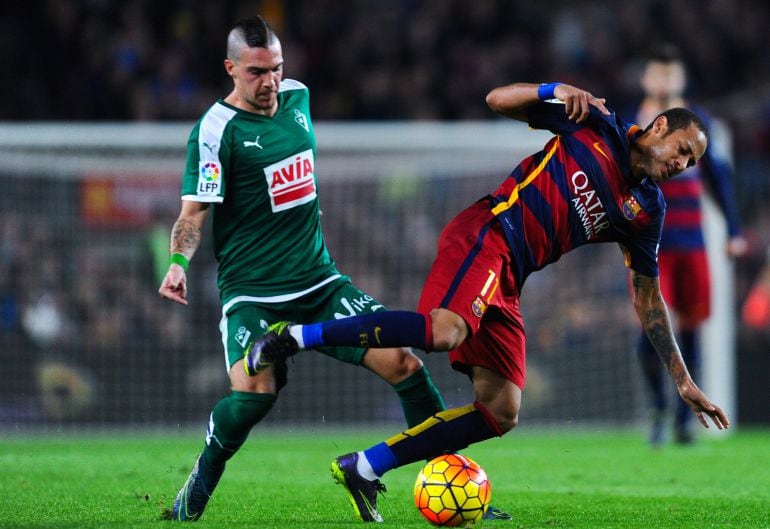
x=379, y=329
x=312, y=335
x=381, y=458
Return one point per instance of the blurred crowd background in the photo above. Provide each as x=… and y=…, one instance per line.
x=109, y=60
x=366, y=59
x=146, y=60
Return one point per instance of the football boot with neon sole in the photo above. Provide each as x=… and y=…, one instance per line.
x=273, y=347
x=361, y=492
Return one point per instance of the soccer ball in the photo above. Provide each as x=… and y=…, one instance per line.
x=452, y=490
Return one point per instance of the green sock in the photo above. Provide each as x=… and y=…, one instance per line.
x=420, y=398
x=230, y=424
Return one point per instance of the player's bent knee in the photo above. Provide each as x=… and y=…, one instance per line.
x=446, y=342
x=410, y=363
x=263, y=382
x=508, y=422
x=406, y=363
x=393, y=365
x=449, y=330
x=505, y=415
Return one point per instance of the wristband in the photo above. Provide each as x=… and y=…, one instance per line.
x=181, y=260
x=545, y=90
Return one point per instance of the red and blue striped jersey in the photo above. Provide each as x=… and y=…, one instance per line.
x=682, y=229
x=579, y=190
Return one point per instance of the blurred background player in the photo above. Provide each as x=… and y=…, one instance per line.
x=684, y=270
x=755, y=312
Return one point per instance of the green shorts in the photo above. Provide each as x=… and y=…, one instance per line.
x=339, y=299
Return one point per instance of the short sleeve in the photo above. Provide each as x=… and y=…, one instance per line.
x=641, y=250
x=204, y=177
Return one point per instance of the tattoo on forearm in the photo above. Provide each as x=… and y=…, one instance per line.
x=185, y=237
x=657, y=325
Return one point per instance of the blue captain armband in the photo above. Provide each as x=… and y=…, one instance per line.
x=545, y=91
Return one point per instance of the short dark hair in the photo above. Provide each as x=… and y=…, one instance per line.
x=665, y=53
x=681, y=118
x=254, y=31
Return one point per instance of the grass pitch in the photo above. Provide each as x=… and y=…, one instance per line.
x=280, y=479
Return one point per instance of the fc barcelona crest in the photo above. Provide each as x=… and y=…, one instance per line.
x=478, y=307
x=631, y=208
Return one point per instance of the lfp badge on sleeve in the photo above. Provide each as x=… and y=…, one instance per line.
x=209, y=179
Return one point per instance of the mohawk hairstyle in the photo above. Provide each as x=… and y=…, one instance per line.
x=253, y=32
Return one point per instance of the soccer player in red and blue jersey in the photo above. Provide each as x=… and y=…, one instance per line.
x=684, y=270
x=595, y=181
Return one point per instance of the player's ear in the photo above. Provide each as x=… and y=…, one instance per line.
x=660, y=125
x=229, y=67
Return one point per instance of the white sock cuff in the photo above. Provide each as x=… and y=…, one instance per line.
x=365, y=468
x=296, y=332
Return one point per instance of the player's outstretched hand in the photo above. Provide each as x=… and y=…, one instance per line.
x=702, y=406
x=578, y=102
x=174, y=285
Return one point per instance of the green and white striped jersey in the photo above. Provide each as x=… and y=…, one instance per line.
x=259, y=173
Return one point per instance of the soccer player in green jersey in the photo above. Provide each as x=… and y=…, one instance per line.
x=251, y=163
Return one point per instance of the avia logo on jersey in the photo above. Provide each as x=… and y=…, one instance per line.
x=588, y=206
x=290, y=182
x=631, y=208
x=209, y=178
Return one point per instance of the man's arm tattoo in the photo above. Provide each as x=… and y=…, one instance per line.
x=657, y=325
x=185, y=237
